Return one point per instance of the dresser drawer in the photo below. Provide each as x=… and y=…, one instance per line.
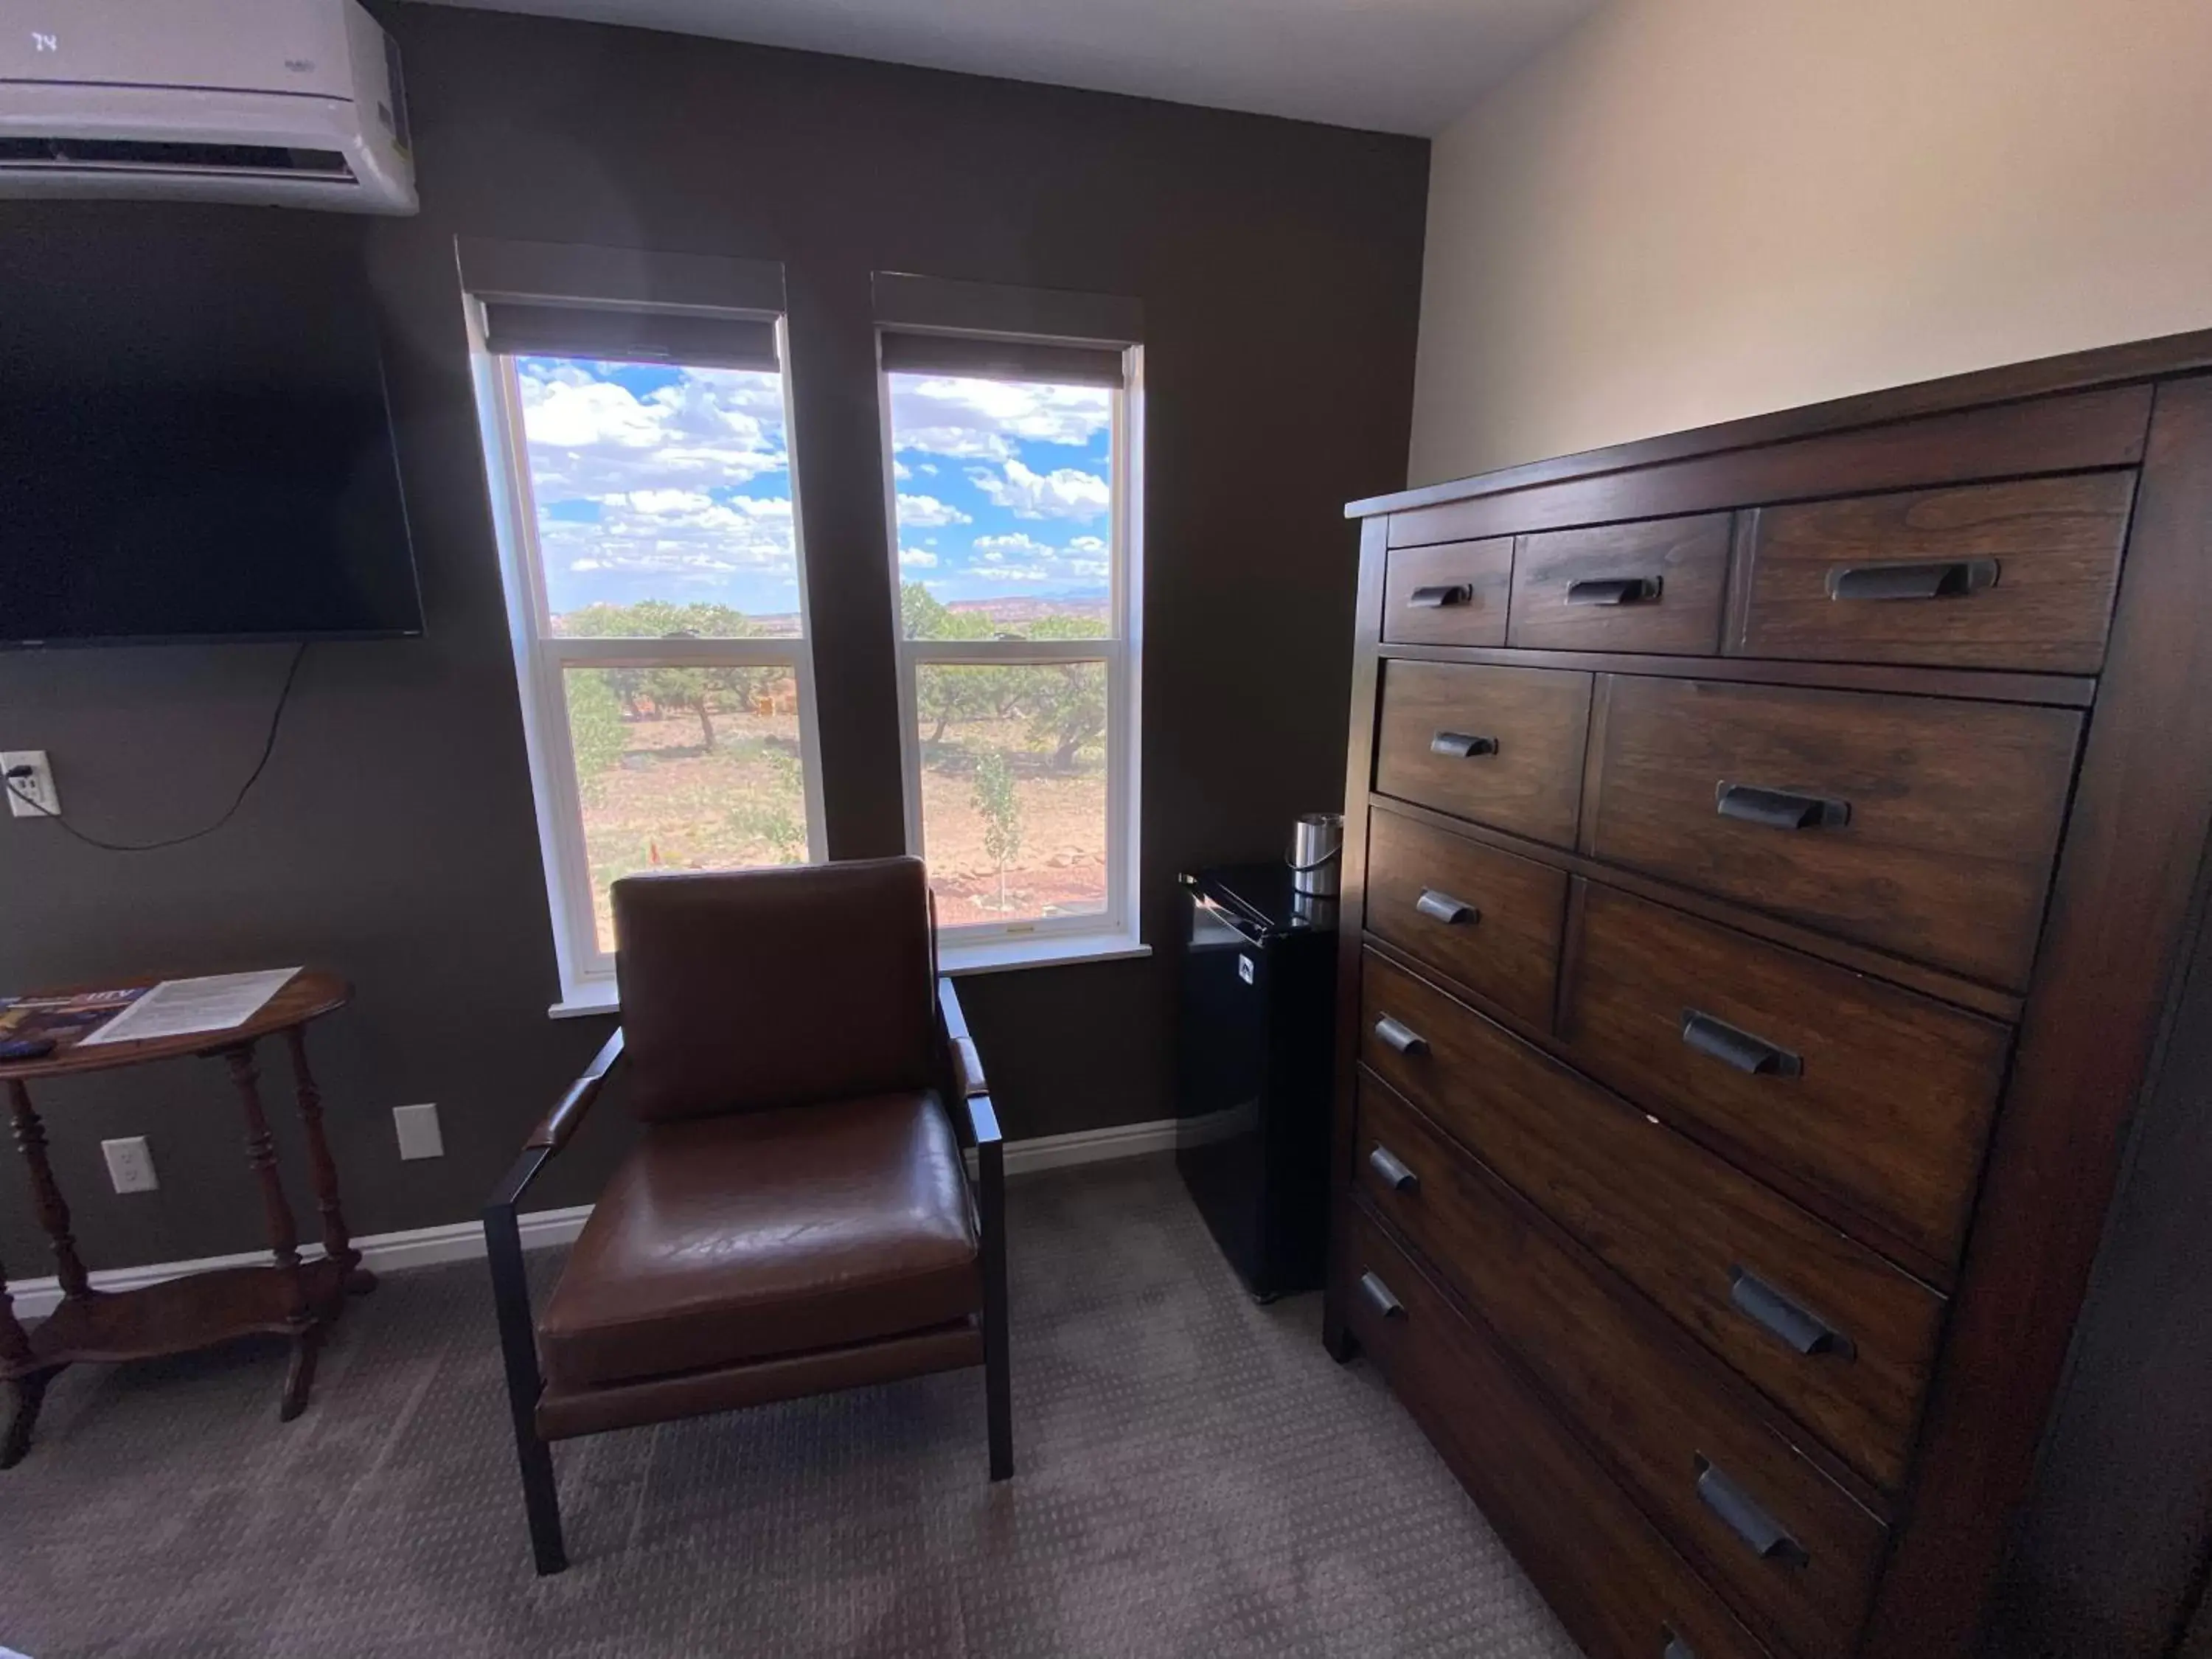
x=1491, y=920
x=1452, y=594
x=2002, y=576
x=1796, y=1548
x=1918, y=826
x=1828, y=1329
x=1855, y=1088
x=1620, y=1588
x=1658, y=586
x=1500, y=746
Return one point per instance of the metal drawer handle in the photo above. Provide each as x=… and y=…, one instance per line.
x=1676, y=1648
x=1443, y=593
x=1740, y=1514
x=1943, y=580
x=1395, y=1175
x=1716, y=1039
x=1378, y=1293
x=1614, y=590
x=1402, y=1037
x=1462, y=746
x=1442, y=907
x=1761, y=1303
x=1778, y=809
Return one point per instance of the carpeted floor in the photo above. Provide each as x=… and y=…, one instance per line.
x=1195, y=1478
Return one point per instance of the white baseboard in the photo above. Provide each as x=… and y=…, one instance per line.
x=1090, y=1147
x=462, y=1241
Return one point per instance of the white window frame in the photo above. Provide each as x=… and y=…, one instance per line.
x=972, y=947
x=541, y=658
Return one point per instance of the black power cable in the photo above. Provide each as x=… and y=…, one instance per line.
x=268, y=748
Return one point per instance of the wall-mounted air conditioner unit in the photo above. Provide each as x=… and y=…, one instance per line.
x=290, y=102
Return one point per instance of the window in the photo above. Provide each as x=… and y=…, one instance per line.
x=642, y=479
x=1014, y=484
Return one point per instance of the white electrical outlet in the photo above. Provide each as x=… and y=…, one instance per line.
x=130, y=1165
x=32, y=795
x=418, y=1132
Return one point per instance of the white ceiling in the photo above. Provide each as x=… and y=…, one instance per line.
x=1396, y=65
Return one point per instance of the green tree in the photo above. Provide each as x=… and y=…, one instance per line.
x=995, y=799
x=776, y=812
x=699, y=689
x=1065, y=703
x=924, y=616
x=942, y=696
x=595, y=729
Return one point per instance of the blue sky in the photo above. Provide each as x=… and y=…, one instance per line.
x=659, y=482
x=1002, y=487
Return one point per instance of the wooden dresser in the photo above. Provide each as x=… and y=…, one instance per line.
x=1769, y=850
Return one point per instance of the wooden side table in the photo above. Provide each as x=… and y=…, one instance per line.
x=287, y=1296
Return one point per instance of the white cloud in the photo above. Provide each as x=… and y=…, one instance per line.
x=901, y=471
x=588, y=436
x=687, y=536
x=924, y=512
x=1066, y=492
x=1021, y=557
x=916, y=558
x=996, y=550
x=942, y=415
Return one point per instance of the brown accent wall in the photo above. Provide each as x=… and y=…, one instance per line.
x=393, y=837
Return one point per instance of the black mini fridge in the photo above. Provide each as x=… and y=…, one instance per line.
x=1253, y=1070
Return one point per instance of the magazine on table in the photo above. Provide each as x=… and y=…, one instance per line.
x=63, y=1019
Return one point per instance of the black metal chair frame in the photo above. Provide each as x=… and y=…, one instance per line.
x=964, y=1081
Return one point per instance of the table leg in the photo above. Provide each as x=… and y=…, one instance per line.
x=27, y=1386
x=323, y=1171
x=30, y=1392
x=261, y=1156
x=15, y=1353
x=300, y=1377
x=46, y=1196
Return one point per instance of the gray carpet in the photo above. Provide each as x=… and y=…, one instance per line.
x=1196, y=1478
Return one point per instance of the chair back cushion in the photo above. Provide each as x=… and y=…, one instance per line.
x=774, y=987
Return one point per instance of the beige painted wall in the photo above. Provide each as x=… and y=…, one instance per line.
x=1690, y=211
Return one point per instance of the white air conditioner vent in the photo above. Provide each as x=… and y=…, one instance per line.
x=279, y=101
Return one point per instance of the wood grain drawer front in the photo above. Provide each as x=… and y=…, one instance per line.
x=1491, y=920
x=1452, y=594
x=1849, y=1086
x=1917, y=826
x=1620, y=1588
x=1799, y=1551
x=1828, y=1329
x=1501, y=745
x=2001, y=575
x=1659, y=586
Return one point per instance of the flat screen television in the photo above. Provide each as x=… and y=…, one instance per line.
x=194, y=439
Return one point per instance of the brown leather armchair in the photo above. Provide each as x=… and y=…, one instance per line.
x=798, y=1216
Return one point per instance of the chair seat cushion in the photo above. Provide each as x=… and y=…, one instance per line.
x=757, y=1234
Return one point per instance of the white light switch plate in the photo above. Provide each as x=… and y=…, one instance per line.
x=418, y=1132
x=45, y=802
x=130, y=1165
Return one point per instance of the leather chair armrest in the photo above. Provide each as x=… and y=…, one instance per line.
x=968, y=1081
x=965, y=1067
x=555, y=1128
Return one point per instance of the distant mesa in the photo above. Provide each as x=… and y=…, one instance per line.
x=1029, y=610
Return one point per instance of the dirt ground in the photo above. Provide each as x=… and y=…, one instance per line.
x=670, y=804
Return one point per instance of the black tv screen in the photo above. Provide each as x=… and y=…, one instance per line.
x=194, y=440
